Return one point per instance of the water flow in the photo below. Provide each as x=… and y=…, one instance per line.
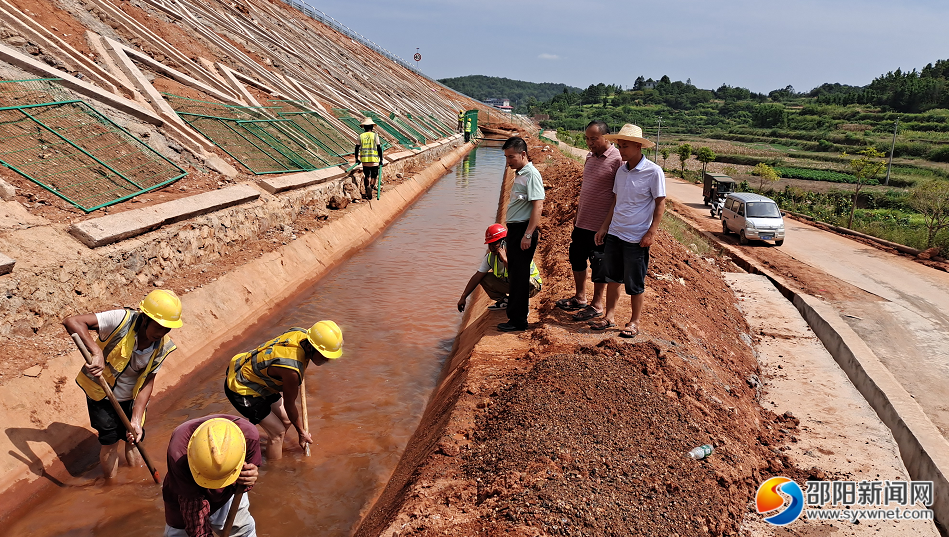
x=395, y=301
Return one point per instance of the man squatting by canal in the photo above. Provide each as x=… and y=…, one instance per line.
x=630, y=227
x=263, y=384
x=128, y=352
x=492, y=275
x=208, y=458
x=596, y=198
x=369, y=154
x=523, y=216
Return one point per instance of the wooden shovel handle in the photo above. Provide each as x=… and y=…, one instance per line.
x=232, y=512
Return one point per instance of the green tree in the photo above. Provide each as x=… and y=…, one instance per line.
x=705, y=155
x=865, y=170
x=932, y=200
x=684, y=151
x=764, y=173
x=665, y=154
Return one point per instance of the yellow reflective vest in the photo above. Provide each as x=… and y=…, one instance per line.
x=247, y=372
x=500, y=270
x=368, y=153
x=118, y=348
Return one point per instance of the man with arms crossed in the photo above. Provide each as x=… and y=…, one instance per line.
x=596, y=198
x=630, y=227
x=523, y=216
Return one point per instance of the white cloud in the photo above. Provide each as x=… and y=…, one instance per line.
x=546, y=56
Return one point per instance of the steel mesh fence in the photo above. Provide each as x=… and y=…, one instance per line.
x=73, y=151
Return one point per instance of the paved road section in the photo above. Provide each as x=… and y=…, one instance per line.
x=905, y=317
x=839, y=431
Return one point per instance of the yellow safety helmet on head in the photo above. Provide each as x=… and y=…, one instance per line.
x=216, y=453
x=163, y=306
x=327, y=337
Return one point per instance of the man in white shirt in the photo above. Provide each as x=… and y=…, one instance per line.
x=630, y=226
x=130, y=349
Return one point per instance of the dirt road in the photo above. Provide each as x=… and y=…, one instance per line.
x=900, y=308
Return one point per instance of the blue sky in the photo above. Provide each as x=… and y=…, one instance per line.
x=761, y=45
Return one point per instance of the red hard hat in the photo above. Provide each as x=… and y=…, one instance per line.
x=494, y=233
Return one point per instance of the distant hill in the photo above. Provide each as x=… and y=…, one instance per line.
x=483, y=87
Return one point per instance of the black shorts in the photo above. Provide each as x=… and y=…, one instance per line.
x=582, y=248
x=370, y=172
x=106, y=421
x=626, y=262
x=255, y=409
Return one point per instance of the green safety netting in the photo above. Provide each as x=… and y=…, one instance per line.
x=317, y=126
x=422, y=128
x=70, y=149
x=416, y=140
x=343, y=115
x=259, y=142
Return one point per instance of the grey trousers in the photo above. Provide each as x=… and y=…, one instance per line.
x=496, y=288
x=244, y=525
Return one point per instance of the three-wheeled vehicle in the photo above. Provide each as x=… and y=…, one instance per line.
x=715, y=188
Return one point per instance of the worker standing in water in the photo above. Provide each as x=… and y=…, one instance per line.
x=208, y=459
x=263, y=384
x=369, y=154
x=130, y=348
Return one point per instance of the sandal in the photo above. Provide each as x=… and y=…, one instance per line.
x=570, y=304
x=586, y=314
x=601, y=324
x=630, y=331
x=499, y=305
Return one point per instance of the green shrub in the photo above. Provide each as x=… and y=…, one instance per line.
x=939, y=155
x=747, y=160
x=817, y=175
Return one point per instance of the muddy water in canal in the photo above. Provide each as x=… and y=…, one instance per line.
x=395, y=301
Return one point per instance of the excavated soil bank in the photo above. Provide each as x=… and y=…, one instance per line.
x=565, y=431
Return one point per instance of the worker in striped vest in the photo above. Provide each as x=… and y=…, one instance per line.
x=130, y=348
x=369, y=153
x=263, y=384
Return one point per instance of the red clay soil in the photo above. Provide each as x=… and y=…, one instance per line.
x=57, y=21
x=565, y=431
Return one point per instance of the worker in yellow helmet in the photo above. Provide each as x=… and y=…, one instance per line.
x=130, y=348
x=208, y=458
x=461, y=119
x=369, y=154
x=263, y=384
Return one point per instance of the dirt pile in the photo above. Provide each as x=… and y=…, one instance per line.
x=567, y=431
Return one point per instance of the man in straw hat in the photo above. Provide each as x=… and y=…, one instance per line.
x=263, y=384
x=208, y=458
x=630, y=226
x=369, y=154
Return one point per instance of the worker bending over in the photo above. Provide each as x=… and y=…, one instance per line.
x=263, y=384
x=128, y=352
x=369, y=154
x=208, y=458
x=492, y=274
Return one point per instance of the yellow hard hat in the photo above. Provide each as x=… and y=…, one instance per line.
x=163, y=306
x=327, y=337
x=216, y=453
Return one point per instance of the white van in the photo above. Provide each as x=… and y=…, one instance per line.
x=753, y=217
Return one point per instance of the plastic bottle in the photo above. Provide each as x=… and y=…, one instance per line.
x=701, y=452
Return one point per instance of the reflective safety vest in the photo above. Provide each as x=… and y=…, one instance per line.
x=118, y=348
x=461, y=116
x=467, y=124
x=500, y=270
x=368, y=153
x=247, y=372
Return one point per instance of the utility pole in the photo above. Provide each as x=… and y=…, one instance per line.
x=892, y=148
x=658, y=132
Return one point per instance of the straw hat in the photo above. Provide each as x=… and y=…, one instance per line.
x=368, y=121
x=632, y=133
